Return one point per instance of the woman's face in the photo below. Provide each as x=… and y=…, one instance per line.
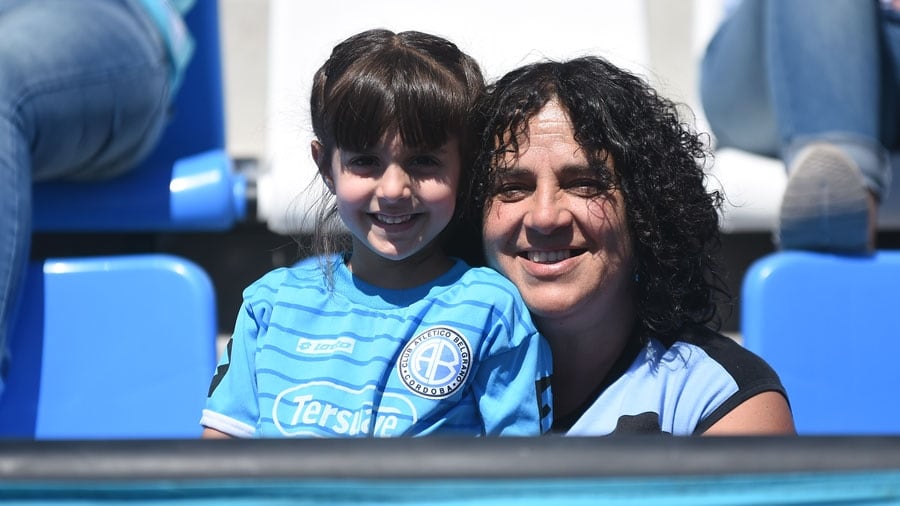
x=556, y=230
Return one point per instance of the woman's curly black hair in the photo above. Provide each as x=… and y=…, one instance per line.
x=659, y=168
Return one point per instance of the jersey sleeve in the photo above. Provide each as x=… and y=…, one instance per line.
x=231, y=405
x=513, y=380
x=750, y=373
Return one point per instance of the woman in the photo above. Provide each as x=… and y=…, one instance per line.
x=593, y=204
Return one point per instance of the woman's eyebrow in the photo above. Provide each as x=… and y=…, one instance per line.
x=579, y=169
x=513, y=171
x=566, y=170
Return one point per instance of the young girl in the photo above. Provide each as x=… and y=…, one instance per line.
x=395, y=337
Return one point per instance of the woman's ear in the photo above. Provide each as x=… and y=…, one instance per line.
x=319, y=155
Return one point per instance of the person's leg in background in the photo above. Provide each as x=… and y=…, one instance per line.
x=83, y=95
x=734, y=84
x=890, y=119
x=818, y=69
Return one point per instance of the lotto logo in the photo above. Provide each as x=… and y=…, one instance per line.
x=306, y=346
x=435, y=363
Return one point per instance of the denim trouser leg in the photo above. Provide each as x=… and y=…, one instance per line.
x=780, y=74
x=734, y=85
x=15, y=224
x=83, y=94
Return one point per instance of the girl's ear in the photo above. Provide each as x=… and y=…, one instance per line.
x=317, y=150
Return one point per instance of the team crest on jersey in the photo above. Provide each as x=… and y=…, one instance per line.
x=435, y=363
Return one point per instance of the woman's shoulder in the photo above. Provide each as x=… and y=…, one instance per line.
x=721, y=364
x=740, y=373
x=682, y=387
x=726, y=352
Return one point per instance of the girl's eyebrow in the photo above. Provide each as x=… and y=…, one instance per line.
x=440, y=150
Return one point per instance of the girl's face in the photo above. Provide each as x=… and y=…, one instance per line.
x=556, y=230
x=394, y=200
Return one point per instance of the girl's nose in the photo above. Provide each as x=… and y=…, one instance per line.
x=395, y=184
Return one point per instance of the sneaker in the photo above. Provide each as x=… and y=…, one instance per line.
x=826, y=205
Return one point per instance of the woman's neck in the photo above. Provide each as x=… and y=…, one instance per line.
x=583, y=355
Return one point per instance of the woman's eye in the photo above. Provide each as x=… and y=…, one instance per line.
x=588, y=187
x=510, y=192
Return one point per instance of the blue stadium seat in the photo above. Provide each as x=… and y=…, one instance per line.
x=830, y=326
x=118, y=347
x=123, y=347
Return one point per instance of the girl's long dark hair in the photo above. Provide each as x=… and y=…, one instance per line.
x=376, y=81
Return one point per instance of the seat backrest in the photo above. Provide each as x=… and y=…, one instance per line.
x=124, y=346
x=830, y=326
x=186, y=183
x=117, y=347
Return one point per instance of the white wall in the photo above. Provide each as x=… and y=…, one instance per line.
x=272, y=48
x=499, y=35
x=245, y=49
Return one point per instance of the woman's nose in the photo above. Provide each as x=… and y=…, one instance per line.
x=548, y=213
x=395, y=184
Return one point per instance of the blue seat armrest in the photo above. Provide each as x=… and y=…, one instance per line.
x=200, y=192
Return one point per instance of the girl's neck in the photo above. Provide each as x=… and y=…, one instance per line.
x=416, y=270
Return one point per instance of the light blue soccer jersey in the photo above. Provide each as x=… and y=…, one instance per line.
x=682, y=389
x=457, y=356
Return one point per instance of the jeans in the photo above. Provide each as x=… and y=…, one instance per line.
x=83, y=95
x=779, y=74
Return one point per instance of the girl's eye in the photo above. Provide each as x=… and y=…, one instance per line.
x=425, y=161
x=363, y=161
x=362, y=165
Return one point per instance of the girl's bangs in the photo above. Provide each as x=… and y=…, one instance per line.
x=424, y=105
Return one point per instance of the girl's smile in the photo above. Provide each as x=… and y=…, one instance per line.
x=395, y=201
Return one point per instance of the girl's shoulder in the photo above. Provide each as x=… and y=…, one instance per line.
x=486, y=275
x=307, y=274
x=484, y=280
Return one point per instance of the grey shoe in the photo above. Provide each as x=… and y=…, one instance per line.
x=825, y=205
